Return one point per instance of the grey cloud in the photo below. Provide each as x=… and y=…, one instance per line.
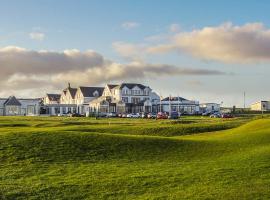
x=225, y=43
x=38, y=71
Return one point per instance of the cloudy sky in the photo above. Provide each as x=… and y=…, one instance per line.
x=210, y=51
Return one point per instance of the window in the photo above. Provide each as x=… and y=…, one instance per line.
x=57, y=110
x=96, y=94
x=125, y=99
x=64, y=110
x=135, y=100
x=30, y=110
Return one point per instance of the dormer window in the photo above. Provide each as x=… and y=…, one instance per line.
x=96, y=94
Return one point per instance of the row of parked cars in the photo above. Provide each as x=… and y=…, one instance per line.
x=218, y=115
x=159, y=115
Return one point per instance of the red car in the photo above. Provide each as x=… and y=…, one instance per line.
x=162, y=115
x=226, y=116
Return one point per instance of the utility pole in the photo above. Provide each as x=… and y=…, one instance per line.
x=160, y=103
x=170, y=107
x=178, y=105
x=244, y=100
x=262, y=107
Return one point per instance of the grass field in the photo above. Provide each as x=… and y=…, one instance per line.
x=83, y=158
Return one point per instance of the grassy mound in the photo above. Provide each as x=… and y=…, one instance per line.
x=43, y=161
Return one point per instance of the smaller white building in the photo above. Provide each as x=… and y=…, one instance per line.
x=260, y=106
x=209, y=107
x=179, y=105
x=19, y=107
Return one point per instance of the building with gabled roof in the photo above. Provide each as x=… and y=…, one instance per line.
x=12, y=106
x=86, y=94
x=125, y=98
x=178, y=104
x=68, y=95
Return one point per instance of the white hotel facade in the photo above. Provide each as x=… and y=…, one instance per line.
x=118, y=98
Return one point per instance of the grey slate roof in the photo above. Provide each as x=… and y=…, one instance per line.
x=54, y=97
x=72, y=92
x=132, y=85
x=89, y=91
x=174, y=99
x=12, y=101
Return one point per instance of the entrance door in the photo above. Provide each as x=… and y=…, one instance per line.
x=1, y=111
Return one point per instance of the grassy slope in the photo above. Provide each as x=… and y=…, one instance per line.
x=41, y=158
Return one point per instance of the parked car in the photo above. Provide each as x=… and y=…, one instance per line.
x=173, y=115
x=227, y=116
x=215, y=115
x=143, y=115
x=123, y=115
x=101, y=114
x=75, y=115
x=112, y=114
x=133, y=115
x=162, y=115
x=206, y=114
x=151, y=116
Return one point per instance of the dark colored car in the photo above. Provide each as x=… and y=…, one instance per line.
x=75, y=115
x=227, y=116
x=174, y=115
x=151, y=116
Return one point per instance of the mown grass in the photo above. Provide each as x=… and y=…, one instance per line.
x=80, y=158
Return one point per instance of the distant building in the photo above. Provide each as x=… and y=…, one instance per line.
x=209, y=107
x=178, y=104
x=13, y=107
x=260, y=106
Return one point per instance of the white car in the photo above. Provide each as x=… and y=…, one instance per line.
x=133, y=115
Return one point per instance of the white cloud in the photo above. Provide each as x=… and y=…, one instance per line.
x=225, y=43
x=38, y=72
x=37, y=36
x=130, y=25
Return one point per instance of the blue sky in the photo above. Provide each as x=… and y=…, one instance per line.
x=98, y=25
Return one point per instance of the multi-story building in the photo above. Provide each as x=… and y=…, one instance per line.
x=68, y=95
x=86, y=94
x=125, y=98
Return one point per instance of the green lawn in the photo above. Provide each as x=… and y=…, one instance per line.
x=84, y=158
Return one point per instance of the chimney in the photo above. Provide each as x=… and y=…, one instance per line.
x=68, y=85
